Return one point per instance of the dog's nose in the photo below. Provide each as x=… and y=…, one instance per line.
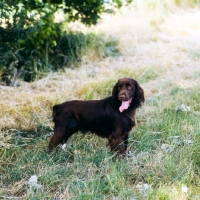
x=122, y=96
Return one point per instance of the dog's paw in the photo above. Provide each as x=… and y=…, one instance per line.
x=64, y=146
x=129, y=154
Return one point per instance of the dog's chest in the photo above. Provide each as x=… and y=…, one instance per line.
x=127, y=123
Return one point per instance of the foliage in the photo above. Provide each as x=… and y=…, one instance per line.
x=33, y=45
x=165, y=160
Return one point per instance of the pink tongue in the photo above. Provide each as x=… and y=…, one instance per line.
x=125, y=105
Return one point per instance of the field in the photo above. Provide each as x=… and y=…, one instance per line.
x=159, y=45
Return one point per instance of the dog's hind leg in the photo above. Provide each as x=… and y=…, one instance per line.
x=72, y=127
x=63, y=131
x=58, y=137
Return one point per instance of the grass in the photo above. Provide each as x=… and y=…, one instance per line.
x=157, y=49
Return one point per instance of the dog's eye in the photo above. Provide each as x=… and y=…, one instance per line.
x=129, y=87
x=120, y=86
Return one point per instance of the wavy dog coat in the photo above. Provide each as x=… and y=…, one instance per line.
x=111, y=118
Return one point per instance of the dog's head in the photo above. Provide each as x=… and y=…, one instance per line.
x=129, y=93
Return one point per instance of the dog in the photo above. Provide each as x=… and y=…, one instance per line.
x=112, y=118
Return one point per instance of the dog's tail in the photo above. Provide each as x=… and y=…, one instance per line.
x=56, y=112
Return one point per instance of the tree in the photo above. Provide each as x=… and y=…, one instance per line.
x=28, y=31
x=88, y=11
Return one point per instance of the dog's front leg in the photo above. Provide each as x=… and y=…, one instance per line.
x=116, y=141
x=125, y=139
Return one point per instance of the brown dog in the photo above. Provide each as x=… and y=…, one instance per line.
x=112, y=117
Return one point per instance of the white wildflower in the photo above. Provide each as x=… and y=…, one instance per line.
x=183, y=108
x=184, y=189
x=146, y=186
x=187, y=141
x=33, y=182
x=129, y=154
x=64, y=146
x=167, y=148
x=174, y=137
x=143, y=188
x=164, y=146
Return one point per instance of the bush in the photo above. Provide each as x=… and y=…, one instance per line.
x=33, y=48
x=33, y=44
x=28, y=55
x=32, y=56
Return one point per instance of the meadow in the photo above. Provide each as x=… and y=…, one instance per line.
x=159, y=46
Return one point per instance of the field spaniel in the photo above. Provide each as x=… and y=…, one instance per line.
x=111, y=118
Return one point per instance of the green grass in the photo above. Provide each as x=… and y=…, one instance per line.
x=165, y=145
x=76, y=44
x=103, y=88
x=86, y=169
x=143, y=75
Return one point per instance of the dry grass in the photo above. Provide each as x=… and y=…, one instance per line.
x=160, y=47
x=167, y=43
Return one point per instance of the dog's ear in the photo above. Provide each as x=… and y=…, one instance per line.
x=138, y=98
x=115, y=91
